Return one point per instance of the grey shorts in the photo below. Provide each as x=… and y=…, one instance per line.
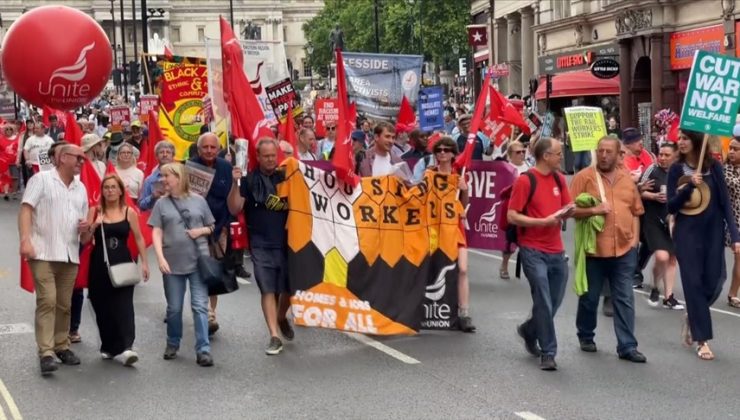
x=270, y=270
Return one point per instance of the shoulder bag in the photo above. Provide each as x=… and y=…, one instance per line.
x=122, y=274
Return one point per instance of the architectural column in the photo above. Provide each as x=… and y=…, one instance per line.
x=625, y=83
x=528, y=50
x=656, y=72
x=500, y=50
x=514, y=53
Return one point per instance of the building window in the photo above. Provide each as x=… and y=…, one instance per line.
x=306, y=68
x=175, y=34
x=201, y=33
x=561, y=8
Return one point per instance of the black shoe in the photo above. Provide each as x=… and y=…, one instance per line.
x=213, y=327
x=275, y=347
x=608, y=308
x=637, y=280
x=6, y=197
x=286, y=330
x=654, y=299
x=548, y=363
x=634, y=356
x=530, y=344
x=170, y=352
x=466, y=324
x=242, y=273
x=588, y=346
x=204, y=359
x=48, y=365
x=68, y=358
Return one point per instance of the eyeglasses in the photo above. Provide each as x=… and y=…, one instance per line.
x=80, y=159
x=556, y=154
x=331, y=128
x=518, y=152
x=444, y=150
x=110, y=188
x=124, y=153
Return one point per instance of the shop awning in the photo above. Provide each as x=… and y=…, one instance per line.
x=578, y=83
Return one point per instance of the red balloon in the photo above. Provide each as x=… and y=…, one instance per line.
x=56, y=56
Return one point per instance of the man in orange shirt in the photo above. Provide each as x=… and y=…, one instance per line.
x=614, y=259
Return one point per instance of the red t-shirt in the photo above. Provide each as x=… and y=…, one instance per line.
x=547, y=199
x=633, y=163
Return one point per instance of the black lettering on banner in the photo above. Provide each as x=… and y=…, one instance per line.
x=450, y=210
x=440, y=182
x=348, y=190
x=388, y=214
x=309, y=172
x=343, y=211
x=367, y=214
x=423, y=188
x=412, y=216
x=433, y=209
x=320, y=201
x=329, y=180
x=376, y=186
x=399, y=189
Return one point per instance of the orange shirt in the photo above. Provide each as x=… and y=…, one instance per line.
x=620, y=233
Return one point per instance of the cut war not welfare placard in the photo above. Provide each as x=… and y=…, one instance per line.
x=586, y=127
x=711, y=101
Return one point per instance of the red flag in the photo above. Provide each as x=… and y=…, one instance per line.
x=61, y=118
x=343, y=159
x=432, y=140
x=673, y=131
x=497, y=131
x=463, y=159
x=148, y=158
x=247, y=117
x=505, y=111
x=287, y=130
x=72, y=132
x=406, y=120
x=168, y=54
x=477, y=35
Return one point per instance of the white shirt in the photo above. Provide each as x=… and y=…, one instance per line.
x=35, y=145
x=524, y=167
x=306, y=156
x=57, y=210
x=133, y=179
x=382, y=165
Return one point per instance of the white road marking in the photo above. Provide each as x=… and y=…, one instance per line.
x=14, y=412
x=513, y=261
x=526, y=415
x=2, y=414
x=15, y=329
x=242, y=281
x=382, y=347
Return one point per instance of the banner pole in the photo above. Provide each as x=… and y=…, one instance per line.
x=702, y=153
x=146, y=71
x=599, y=181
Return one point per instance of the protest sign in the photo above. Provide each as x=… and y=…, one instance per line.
x=548, y=124
x=486, y=180
x=45, y=163
x=533, y=121
x=281, y=96
x=326, y=110
x=585, y=127
x=712, y=94
x=119, y=114
x=147, y=103
x=431, y=108
x=200, y=177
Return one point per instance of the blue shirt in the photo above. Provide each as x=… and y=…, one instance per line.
x=219, y=192
x=146, y=196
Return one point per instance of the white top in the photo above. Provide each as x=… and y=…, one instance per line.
x=524, y=167
x=133, y=179
x=57, y=210
x=382, y=165
x=307, y=156
x=35, y=145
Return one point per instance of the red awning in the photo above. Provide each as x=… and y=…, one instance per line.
x=578, y=83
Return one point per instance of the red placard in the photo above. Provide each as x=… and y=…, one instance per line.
x=326, y=110
x=147, y=103
x=119, y=114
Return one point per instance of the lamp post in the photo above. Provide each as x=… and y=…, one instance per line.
x=309, y=50
x=123, y=46
x=146, y=14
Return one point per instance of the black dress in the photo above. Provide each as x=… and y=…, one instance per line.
x=114, y=307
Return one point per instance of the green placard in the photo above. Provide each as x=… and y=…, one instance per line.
x=586, y=127
x=712, y=95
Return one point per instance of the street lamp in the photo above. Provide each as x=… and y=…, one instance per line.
x=309, y=50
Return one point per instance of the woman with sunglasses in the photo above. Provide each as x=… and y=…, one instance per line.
x=445, y=150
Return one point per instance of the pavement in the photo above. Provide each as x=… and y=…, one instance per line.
x=329, y=374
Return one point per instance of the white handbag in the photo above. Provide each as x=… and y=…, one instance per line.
x=123, y=274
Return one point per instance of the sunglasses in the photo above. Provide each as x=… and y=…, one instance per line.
x=80, y=159
x=331, y=128
x=444, y=150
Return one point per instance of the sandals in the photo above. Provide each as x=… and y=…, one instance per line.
x=504, y=275
x=733, y=301
x=704, y=352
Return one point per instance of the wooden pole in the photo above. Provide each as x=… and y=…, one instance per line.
x=145, y=59
x=702, y=153
x=599, y=181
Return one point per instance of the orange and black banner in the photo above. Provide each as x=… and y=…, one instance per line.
x=379, y=258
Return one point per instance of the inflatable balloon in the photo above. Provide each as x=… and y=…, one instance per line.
x=56, y=56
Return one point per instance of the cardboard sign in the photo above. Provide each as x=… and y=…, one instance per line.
x=533, y=121
x=45, y=163
x=281, y=95
x=431, y=108
x=326, y=110
x=119, y=114
x=200, y=177
x=586, y=127
x=712, y=95
x=147, y=103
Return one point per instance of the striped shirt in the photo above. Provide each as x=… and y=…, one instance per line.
x=57, y=210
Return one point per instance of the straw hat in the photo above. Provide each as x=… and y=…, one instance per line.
x=699, y=197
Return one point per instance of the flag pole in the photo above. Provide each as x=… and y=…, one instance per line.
x=144, y=58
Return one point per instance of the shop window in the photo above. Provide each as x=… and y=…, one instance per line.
x=201, y=33
x=561, y=8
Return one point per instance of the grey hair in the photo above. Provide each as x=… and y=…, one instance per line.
x=164, y=144
x=205, y=136
x=128, y=145
x=266, y=140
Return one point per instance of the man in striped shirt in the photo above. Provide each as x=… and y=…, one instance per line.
x=51, y=224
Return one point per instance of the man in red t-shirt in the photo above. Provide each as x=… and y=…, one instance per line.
x=637, y=159
x=541, y=248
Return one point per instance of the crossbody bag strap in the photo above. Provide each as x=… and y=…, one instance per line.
x=105, y=244
x=187, y=225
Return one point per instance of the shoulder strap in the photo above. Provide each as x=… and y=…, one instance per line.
x=185, y=222
x=532, y=186
x=557, y=180
x=105, y=244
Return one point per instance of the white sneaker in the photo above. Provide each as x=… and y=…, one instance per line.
x=129, y=357
x=105, y=356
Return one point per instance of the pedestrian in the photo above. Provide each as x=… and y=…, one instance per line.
x=615, y=256
x=515, y=156
x=35, y=145
x=153, y=188
x=445, y=150
x=9, y=173
x=92, y=145
x=56, y=132
x=114, y=306
x=703, y=209
x=732, y=176
x=307, y=122
x=132, y=176
x=52, y=223
x=656, y=229
x=181, y=222
x=539, y=202
x=379, y=159
x=306, y=142
x=418, y=141
x=326, y=145
x=256, y=195
x=480, y=148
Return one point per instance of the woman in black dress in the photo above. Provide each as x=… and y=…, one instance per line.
x=114, y=307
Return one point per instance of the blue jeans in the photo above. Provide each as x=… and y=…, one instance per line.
x=618, y=271
x=547, y=275
x=174, y=291
x=581, y=160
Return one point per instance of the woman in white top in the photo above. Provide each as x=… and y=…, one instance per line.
x=515, y=155
x=133, y=177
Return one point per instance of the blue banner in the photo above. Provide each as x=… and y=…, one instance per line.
x=378, y=82
x=430, y=108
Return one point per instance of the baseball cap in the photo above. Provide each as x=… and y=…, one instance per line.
x=358, y=135
x=631, y=135
x=136, y=123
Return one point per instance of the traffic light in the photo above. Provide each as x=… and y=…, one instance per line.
x=133, y=72
x=117, y=77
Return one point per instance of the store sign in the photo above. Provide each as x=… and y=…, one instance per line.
x=605, y=68
x=684, y=44
x=576, y=60
x=499, y=70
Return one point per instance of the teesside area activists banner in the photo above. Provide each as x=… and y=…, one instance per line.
x=378, y=82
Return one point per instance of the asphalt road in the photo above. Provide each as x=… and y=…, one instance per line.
x=328, y=374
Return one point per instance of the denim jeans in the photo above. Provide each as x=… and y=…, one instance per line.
x=619, y=272
x=547, y=275
x=581, y=160
x=78, y=299
x=174, y=291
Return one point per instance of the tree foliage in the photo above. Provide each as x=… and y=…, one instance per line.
x=404, y=27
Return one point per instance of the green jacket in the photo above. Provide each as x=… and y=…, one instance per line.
x=586, y=230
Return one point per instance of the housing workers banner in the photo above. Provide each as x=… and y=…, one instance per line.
x=182, y=85
x=379, y=258
x=378, y=82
